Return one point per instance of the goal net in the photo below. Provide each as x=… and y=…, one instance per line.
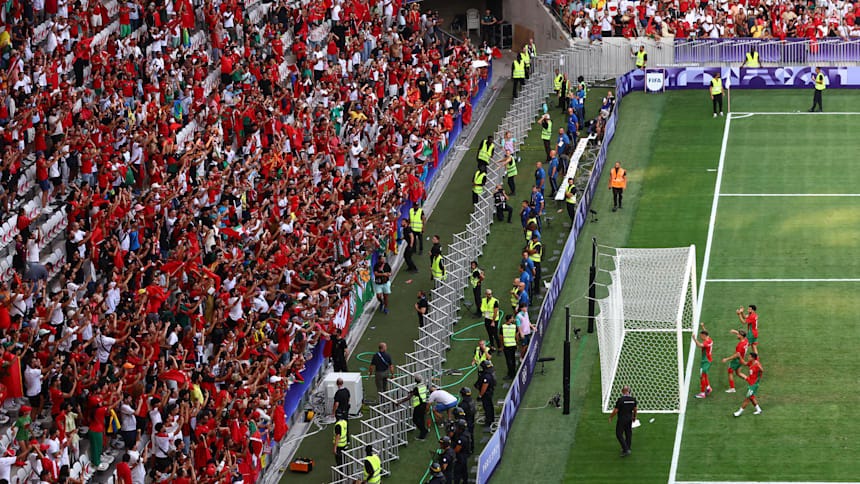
x=644, y=324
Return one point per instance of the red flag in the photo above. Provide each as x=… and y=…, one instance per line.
x=497, y=54
x=280, y=419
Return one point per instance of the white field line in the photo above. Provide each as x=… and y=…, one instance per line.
x=679, y=430
x=762, y=482
x=753, y=195
x=737, y=115
x=787, y=280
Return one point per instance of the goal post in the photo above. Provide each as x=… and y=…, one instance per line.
x=644, y=324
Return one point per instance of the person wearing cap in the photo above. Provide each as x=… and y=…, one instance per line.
x=486, y=384
x=436, y=475
x=467, y=404
x=418, y=399
x=372, y=467
x=340, y=440
x=6, y=462
x=447, y=458
x=462, y=443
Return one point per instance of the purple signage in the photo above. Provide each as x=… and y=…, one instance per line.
x=748, y=78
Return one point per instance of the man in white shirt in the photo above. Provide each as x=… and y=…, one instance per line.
x=441, y=401
x=33, y=384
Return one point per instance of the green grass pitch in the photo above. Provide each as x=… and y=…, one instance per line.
x=796, y=248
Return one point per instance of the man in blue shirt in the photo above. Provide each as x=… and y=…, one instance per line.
x=563, y=142
x=528, y=263
x=572, y=124
x=578, y=105
x=525, y=277
x=538, y=202
x=524, y=296
x=553, y=172
x=540, y=176
x=525, y=214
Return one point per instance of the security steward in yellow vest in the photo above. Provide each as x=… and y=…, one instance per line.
x=437, y=268
x=341, y=440
x=535, y=250
x=751, y=59
x=617, y=183
x=518, y=73
x=527, y=59
x=559, y=86
x=418, y=400
x=490, y=309
x=717, y=95
x=481, y=353
x=515, y=296
x=509, y=343
x=641, y=57
x=416, y=223
x=485, y=152
x=372, y=467
x=478, y=181
x=570, y=199
x=546, y=133
x=820, y=86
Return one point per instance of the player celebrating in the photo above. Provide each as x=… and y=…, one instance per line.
x=753, y=380
x=707, y=345
x=750, y=318
x=737, y=359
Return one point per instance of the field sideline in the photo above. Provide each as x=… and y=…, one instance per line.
x=778, y=240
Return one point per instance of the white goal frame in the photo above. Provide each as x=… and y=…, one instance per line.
x=614, y=326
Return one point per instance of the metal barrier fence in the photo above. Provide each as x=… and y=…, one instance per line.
x=790, y=52
x=599, y=61
x=388, y=423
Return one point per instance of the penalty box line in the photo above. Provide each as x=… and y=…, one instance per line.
x=763, y=482
x=747, y=114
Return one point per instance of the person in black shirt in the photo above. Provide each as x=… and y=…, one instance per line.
x=463, y=449
x=500, y=200
x=469, y=410
x=436, y=474
x=437, y=247
x=381, y=366
x=339, y=351
x=626, y=409
x=340, y=409
x=421, y=307
x=447, y=458
x=485, y=385
x=411, y=244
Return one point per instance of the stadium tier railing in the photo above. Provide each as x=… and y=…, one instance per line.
x=830, y=51
x=387, y=426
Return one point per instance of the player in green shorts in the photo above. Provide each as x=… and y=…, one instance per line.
x=707, y=345
x=736, y=360
x=753, y=380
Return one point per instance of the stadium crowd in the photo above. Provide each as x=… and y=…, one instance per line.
x=221, y=204
x=779, y=19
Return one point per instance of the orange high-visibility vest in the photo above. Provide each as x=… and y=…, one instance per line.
x=618, y=178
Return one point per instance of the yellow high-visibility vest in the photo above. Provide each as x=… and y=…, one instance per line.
x=375, y=477
x=478, y=182
x=527, y=58
x=437, y=271
x=488, y=307
x=515, y=296
x=570, y=194
x=473, y=279
x=752, y=59
x=415, y=219
x=556, y=83
x=479, y=355
x=546, y=133
x=509, y=335
x=341, y=438
x=820, y=85
x=536, y=246
x=640, y=58
x=422, y=392
x=716, y=86
x=519, y=69
x=486, y=151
